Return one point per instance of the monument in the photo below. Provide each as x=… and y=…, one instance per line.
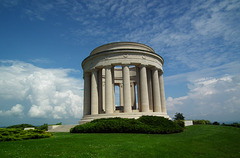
x=135, y=70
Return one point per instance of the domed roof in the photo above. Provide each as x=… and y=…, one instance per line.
x=122, y=46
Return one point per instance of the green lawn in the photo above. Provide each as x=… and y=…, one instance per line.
x=196, y=141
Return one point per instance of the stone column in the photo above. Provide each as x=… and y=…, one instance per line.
x=108, y=90
x=138, y=89
x=87, y=94
x=126, y=89
x=156, y=92
x=150, y=88
x=162, y=93
x=144, y=89
x=133, y=96
x=94, y=93
x=100, y=105
x=121, y=94
x=103, y=90
x=113, y=88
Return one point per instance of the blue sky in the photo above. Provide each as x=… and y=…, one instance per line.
x=42, y=45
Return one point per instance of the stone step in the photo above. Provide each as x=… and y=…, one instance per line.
x=60, y=128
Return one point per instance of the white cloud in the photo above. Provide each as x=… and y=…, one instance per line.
x=46, y=93
x=209, y=98
x=231, y=68
x=16, y=110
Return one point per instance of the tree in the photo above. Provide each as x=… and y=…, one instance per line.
x=178, y=116
x=216, y=123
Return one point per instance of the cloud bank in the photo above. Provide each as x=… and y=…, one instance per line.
x=215, y=99
x=28, y=91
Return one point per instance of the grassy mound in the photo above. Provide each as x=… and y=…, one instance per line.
x=197, y=141
x=13, y=134
x=145, y=124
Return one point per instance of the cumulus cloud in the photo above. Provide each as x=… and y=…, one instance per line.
x=45, y=93
x=209, y=98
x=16, y=110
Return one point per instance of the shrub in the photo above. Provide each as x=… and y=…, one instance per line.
x=21, y=126
x=216, y=123
x=235, y=124
x=180, y=123
x=60, y=123
x=201, y=122
x=13, y=134
x=145, y=124
x=178, y=116
x=43, y=127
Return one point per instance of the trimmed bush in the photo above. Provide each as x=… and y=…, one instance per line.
x=201, y=122
x=180, y=123
x=13, y=134
x=145, y=124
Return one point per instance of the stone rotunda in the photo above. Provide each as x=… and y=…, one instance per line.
x=123, y=79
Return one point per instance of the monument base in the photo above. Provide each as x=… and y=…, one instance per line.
x=88, y=118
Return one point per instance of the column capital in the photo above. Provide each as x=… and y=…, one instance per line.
x=108, y=67
x=125, y=64
x=86, y=74
x=93, y=70
x=155, y=68
x=143, y=65
x=160, y=71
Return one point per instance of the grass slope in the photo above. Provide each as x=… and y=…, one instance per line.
x=196, y=141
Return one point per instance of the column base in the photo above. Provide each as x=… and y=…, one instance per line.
x=134, y=114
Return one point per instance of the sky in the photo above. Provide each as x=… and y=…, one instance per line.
x=43, y=42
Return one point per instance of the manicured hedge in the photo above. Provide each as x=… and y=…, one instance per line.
x=180, y=123
x=145, y=124
x=13, y=134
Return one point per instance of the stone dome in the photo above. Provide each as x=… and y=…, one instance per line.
x=122, y=46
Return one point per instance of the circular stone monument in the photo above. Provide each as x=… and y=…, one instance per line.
x=123, y=79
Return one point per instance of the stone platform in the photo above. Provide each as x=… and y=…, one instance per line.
x=136, y=115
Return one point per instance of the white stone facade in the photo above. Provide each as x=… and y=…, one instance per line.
x=133, y=67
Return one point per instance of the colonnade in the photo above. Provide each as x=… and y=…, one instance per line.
x=99, y=92
x=133, y=67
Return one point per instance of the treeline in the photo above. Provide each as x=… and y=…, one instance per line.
x=42, y=127
x=207, y=122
